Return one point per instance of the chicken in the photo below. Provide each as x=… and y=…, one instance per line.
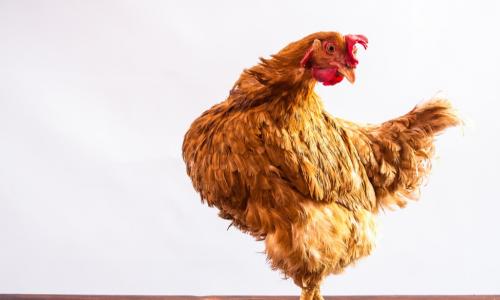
x=308, y=184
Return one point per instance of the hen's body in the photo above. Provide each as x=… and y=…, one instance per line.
x=282, y=169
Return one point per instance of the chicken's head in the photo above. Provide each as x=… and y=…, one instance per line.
x=332, y=56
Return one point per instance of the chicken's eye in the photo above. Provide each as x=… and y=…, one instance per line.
x=329, y=47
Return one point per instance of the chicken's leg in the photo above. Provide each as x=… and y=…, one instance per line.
x=311, y=293
x=317, y=294
x=308, y=293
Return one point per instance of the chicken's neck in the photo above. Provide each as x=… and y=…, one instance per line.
x=278, y=85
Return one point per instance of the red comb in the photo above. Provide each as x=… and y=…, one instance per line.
x=351, y=40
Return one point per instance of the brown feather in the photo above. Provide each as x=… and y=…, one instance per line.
x=282, y=169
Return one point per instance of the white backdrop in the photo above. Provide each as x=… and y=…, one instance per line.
x=95, y=97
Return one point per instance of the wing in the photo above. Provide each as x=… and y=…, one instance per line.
x=227, y=161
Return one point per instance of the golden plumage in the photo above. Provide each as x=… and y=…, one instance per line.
x=282, y=169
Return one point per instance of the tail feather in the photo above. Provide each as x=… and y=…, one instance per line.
x=402, y=149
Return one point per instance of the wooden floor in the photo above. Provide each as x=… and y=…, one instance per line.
x=117, y=297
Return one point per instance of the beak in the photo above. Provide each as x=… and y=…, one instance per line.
x=348, y=73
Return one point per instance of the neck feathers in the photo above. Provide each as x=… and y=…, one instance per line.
x=279, y=82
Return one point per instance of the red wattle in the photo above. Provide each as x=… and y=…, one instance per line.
x=328, y=76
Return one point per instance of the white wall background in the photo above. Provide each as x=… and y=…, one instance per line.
x=95, y=97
